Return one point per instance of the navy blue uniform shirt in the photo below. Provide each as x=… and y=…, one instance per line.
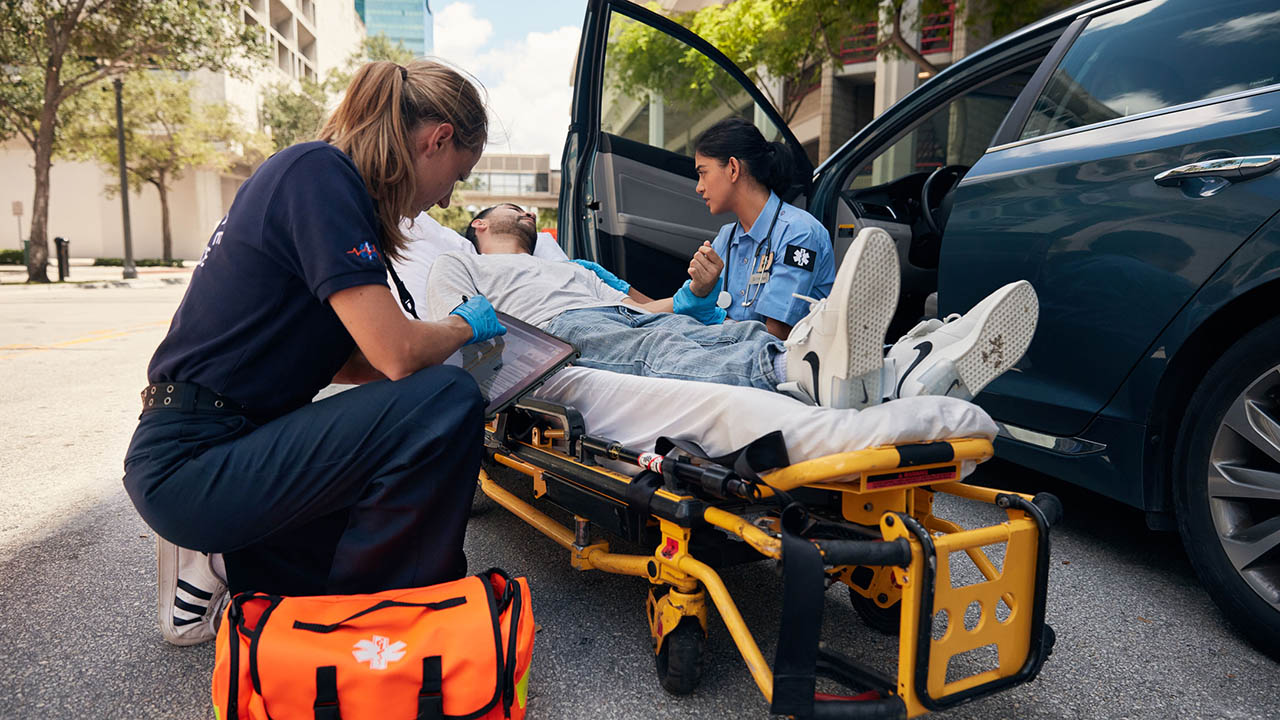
x=254, y=324
x=803, y=263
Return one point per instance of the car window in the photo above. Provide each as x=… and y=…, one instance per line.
x=1158, y=54
x=663, y=92
x=957, y=133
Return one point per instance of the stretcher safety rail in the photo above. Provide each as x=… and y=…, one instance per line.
x=862, y=518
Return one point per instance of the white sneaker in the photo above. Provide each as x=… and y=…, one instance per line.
x=191, y=593
x=959, y=356
x=835, y=354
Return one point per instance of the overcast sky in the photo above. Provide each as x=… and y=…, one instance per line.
x=523, y=54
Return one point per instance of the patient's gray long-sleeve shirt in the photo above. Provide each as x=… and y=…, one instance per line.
x=523, y=286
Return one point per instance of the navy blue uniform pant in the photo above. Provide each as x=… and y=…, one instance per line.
x=363, y=491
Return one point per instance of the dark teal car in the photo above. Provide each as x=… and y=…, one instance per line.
x=1119, y=156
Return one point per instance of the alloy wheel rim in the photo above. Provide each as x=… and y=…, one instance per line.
x=1244, y=485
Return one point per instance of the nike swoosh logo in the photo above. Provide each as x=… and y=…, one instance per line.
x=955, y=385
x=923, y=350
x=812, y=359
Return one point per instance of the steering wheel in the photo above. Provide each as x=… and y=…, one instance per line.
x=939, y=183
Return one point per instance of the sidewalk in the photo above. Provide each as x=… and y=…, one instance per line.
x=84, y=274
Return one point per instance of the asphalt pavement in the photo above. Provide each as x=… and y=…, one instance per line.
x=1137, y=636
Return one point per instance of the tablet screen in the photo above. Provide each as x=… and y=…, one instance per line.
x=510, y=365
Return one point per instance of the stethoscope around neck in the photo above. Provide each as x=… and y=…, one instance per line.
x=762, y=262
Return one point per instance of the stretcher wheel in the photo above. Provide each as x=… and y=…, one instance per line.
x=682, y=658
x=885, y=620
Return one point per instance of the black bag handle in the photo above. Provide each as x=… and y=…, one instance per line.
x=326, y=705
x=320, y=628
x=430, y=697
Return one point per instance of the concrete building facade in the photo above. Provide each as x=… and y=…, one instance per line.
x=524, y=180
x=306, y=39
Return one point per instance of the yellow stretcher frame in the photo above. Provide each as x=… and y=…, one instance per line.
x=890, y=488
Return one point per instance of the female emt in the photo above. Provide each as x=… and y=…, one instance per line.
x=362, y=491
x=772, y=252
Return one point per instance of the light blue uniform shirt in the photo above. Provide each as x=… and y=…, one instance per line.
x=803, y=262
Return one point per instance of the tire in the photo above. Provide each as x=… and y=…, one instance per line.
x=1226, y=485
x=887, y=621
x=683, y=658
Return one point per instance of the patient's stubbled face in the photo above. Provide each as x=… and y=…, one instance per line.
x=511, y=220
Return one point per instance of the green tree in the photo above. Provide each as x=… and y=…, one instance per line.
x=781, y=40
x=378, y=47
x=294, y=112
x=786, y=41
x=166, y=133
x=53, y=49
x=548, y=218
x=455, y=217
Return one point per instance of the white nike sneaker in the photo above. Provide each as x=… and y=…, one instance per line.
x=835, y=354
x=959, y=356
x=191, y=593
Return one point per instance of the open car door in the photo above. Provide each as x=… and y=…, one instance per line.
x=644, y=89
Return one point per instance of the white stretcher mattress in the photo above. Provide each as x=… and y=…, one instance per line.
x=636, y=411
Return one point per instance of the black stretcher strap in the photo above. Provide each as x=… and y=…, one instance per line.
x=764, y=453
x=641, y=489
x=800, y=659
x=803, y=586
x=326, y=706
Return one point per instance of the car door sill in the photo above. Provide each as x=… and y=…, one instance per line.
x=1055, y=443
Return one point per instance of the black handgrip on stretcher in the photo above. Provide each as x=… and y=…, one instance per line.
x=865, y=552
x=884, y=709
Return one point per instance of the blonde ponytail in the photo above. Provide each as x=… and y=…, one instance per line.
x=382, y=107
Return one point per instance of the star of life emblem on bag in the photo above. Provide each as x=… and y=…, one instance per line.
x=378, y=652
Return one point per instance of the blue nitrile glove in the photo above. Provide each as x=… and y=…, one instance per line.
x=702, y=309
x=480, y=316
x=605, y=276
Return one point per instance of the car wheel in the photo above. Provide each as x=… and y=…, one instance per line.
x=1227, y=485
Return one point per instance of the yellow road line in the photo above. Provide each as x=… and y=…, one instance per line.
x=94, y=336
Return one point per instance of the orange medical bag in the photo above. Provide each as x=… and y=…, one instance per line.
x=458, y=649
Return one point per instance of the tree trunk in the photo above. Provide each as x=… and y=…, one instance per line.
x=37, y=261
x=907, y=49
x=167, y=237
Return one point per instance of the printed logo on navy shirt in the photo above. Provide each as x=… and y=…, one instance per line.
x=364, y=250
x=800, y=257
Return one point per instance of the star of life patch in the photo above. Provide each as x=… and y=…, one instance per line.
x=800, y=257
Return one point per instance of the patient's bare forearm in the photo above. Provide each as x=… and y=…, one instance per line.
x=638, y=296
x=657, y=306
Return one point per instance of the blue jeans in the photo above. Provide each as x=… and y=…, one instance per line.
x=671, y=346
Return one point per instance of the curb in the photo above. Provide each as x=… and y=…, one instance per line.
x=139, y=283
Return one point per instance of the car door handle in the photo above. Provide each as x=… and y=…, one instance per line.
x=1234, y=168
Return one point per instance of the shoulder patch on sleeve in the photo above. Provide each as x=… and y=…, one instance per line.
x=800, y=257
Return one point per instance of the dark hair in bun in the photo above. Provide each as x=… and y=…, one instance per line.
x=770, y=163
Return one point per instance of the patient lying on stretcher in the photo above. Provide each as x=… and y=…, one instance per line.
x=833, y=357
